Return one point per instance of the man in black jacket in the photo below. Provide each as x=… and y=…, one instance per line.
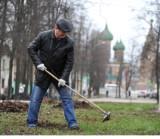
x=52, y=50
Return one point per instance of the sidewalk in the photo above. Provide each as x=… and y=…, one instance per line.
x=23, y=101
x=122, y=100
x=116, y=100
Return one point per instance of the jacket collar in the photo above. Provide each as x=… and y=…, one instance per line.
x=52, y=36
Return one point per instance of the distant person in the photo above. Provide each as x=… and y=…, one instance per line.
x=84, y=92
x=52, y=50
x=89, y=92
x=129, y=93
x=107, y=93
x=3, y=98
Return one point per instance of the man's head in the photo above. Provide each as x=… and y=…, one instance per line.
x=62, y=27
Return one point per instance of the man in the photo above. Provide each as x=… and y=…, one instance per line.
x=52, y=50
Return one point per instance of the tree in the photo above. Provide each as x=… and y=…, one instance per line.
x=155, y=13
x=24, y=19
x=3, y=17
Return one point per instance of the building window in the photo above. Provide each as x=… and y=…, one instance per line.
x=110, y=70
x=3, y=83
x=3, y=64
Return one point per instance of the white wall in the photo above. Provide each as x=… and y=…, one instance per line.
x=4, y=73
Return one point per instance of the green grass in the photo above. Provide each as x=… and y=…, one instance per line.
x=126, y=119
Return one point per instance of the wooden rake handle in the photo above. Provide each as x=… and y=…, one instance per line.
x=76, y=92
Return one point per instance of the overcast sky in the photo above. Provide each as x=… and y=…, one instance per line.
x=121, y=17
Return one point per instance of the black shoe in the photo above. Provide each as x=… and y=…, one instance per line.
x=32, y=125
x=74, y=127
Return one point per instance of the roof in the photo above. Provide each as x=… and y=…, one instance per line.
x=106, y=34
x=119, y=46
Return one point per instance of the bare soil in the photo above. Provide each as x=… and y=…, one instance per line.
x=8, y=106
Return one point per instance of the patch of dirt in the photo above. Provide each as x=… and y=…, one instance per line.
x=77, y=104
x=47, y=124
x=156, y=111
x=8, y=106
x=50, y=101
x=81, y=104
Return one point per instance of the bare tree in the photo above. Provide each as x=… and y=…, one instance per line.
x=22, y=20
x=3, y=16
x=156, y=14
x=132, y=68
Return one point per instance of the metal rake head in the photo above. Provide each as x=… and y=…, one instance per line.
x=106, y=116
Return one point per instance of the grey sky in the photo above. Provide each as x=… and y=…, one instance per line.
x=121, y=17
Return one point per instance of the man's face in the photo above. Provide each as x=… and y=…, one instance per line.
x=58, y=33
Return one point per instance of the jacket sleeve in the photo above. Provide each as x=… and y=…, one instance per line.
x=69, y=64
x=33, y=49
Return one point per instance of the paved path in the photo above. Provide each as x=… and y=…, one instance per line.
x=118, y=100
x=122, y=100
x=25, y=101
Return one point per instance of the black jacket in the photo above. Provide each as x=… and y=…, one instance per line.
x=56, y=55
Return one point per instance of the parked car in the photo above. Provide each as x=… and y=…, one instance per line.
x=153, y=95
x=142, y=93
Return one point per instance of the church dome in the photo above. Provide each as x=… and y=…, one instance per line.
x=119, y=46
x=106, y=35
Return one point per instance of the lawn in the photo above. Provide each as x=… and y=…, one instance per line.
x=126, y=119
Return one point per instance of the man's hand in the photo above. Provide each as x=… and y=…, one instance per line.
x=61, y=82
x=41, y=67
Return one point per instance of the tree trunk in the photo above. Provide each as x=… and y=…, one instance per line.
x=17, y=78
x=3, y=32
x=10, y=88
x=119, y=80
x=157, y=64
